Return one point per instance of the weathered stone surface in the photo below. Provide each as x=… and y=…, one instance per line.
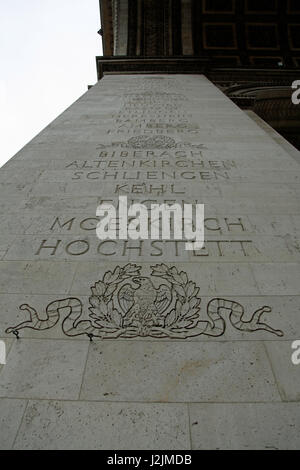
x=57, y=425
x=245, y=426
x=178, y=372
x=11, y=413
x=44, y=369
x=36, y=277
x=286, y=373
x=277, y=278
x=220, y=343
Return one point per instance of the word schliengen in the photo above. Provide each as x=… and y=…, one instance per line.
x=137, y=222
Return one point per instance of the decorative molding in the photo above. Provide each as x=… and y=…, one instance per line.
x=243, y=29
x=120, y=16
x=127, y=304
x=186, y=27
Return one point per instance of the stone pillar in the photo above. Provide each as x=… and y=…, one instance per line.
x=198, y=344
x=120, y=18
x=186, y=27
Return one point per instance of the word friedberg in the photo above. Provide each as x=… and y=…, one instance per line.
x=132, y=222
x=155, y=460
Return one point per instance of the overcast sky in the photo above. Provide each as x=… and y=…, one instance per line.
x=47, y=50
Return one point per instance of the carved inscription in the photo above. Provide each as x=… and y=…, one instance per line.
x=219, y=241
x=127, y=303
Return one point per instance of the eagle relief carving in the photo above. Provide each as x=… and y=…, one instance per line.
x=127, y=304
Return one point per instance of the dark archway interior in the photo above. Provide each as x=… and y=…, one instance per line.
x=246, y=47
